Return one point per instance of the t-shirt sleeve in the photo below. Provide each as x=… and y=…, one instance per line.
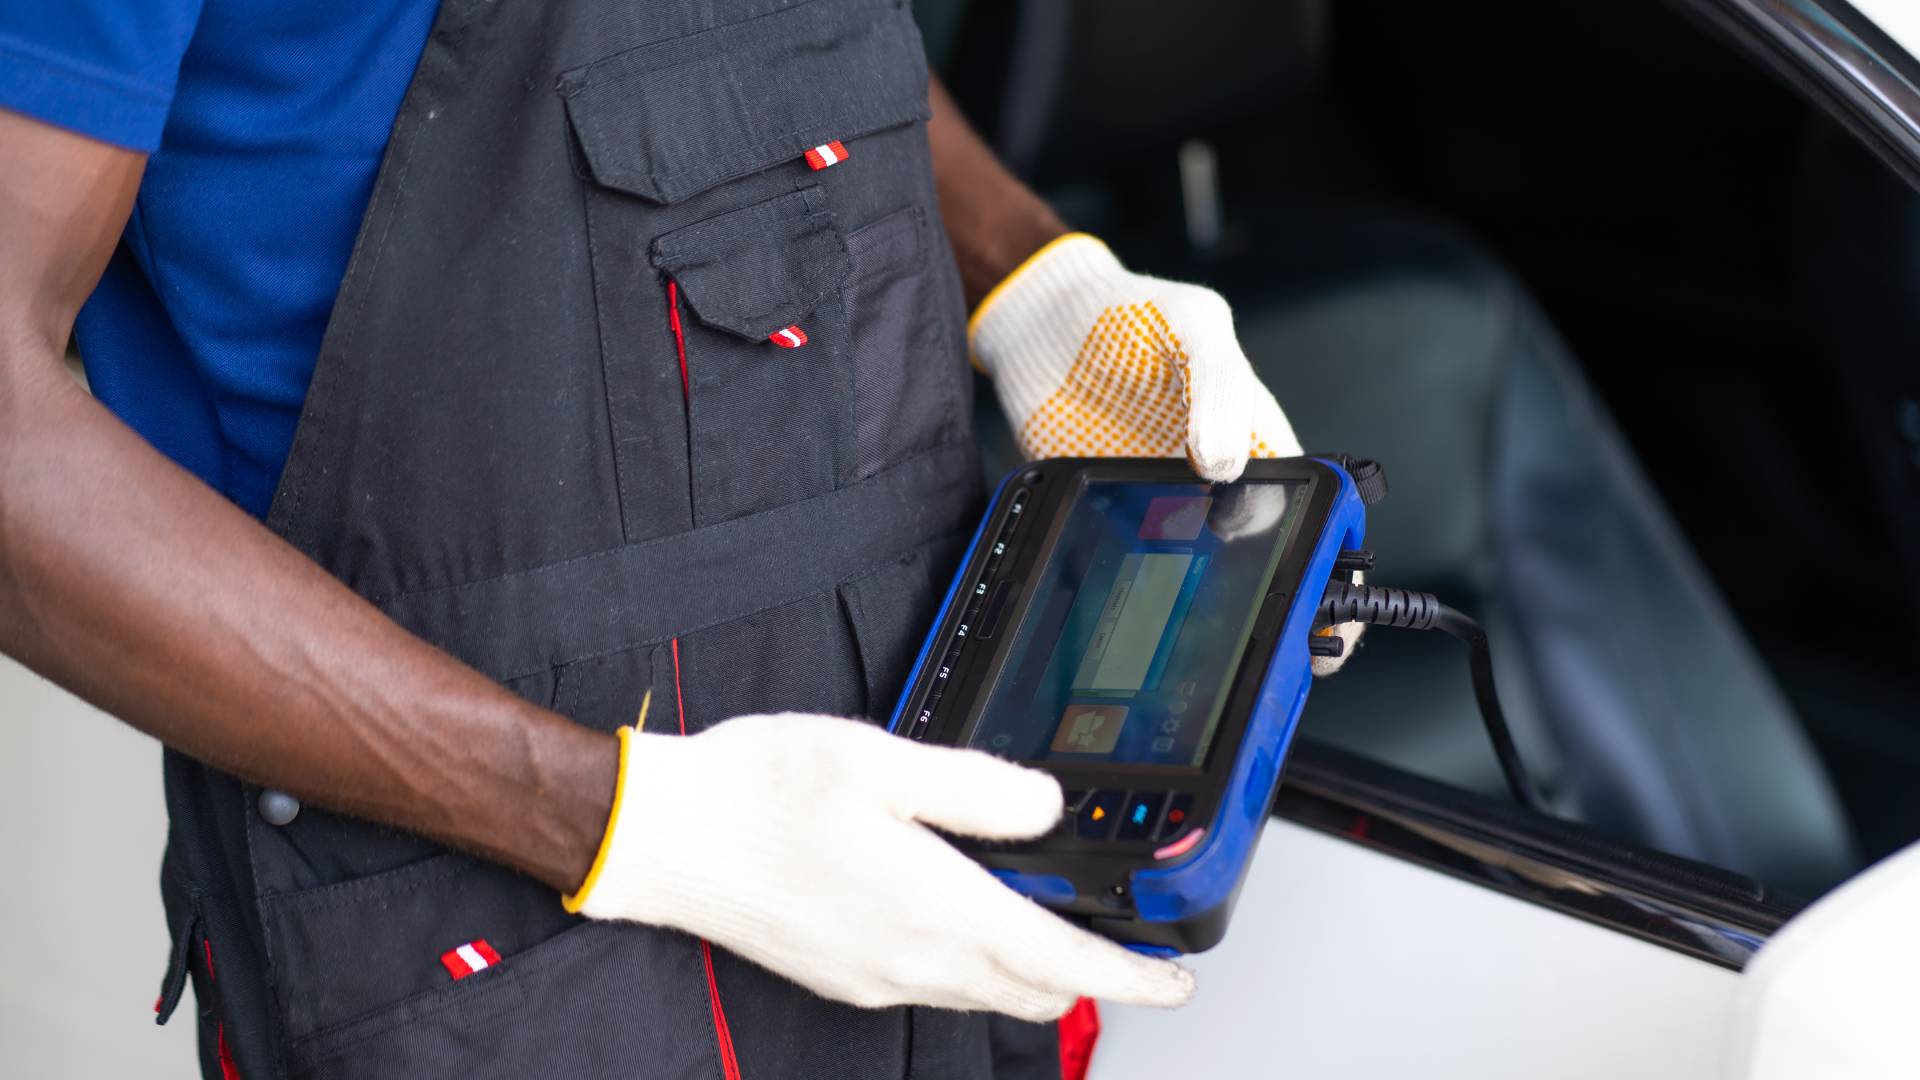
x=103, y=68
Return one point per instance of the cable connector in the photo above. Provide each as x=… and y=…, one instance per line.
x=1378, y=605
x=1353, y=559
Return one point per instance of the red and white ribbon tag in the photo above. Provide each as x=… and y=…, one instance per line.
x=467, y=959
x=790, y=338
x=826, y=154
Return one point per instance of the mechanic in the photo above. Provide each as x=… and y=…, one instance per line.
x=487, y=395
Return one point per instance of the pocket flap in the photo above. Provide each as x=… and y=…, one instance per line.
x=672, y=119
x=760, y=269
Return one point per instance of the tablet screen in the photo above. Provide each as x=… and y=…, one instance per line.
x=1126, y=650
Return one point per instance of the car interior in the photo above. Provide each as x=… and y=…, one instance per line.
x=1626, y=318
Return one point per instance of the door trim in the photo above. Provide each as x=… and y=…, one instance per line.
x=1705, y=912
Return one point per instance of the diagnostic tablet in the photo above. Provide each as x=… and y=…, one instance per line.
x=1142, y=635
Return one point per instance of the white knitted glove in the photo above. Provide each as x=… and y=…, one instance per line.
x=1093, y=360
x=801, y=843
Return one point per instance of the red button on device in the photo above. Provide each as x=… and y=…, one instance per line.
x=1178, y=811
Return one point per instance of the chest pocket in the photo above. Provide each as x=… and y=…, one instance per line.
x=721, y=265
x=767, y=388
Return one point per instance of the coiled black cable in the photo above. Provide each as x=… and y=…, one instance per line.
x=1378, y=605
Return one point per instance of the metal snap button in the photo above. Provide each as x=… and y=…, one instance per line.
x=278, y=807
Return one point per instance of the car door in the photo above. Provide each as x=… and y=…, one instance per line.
x=1396, y=926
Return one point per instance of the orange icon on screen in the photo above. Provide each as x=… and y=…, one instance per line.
x=1089, y=729
x=1099, y=812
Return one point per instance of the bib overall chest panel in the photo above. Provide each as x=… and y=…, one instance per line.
x=559, y=427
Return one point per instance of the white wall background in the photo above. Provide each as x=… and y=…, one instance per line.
x=82, y=825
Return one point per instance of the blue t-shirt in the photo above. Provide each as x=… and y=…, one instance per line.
x=266, y=123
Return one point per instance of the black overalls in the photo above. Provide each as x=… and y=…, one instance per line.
x=550, y=432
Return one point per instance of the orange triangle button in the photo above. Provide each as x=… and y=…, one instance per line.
x=1099, y=812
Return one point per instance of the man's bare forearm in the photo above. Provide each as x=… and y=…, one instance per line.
x=993, y=220
x=126, y=580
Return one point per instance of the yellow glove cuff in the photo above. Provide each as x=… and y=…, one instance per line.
x=577, y=899
x=1006, y=283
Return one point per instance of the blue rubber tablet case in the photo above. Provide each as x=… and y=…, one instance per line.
x=1143, y=636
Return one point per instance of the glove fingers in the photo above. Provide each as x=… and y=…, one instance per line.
x=1218, y=421
x=1010, y=996
x=972, y=793
x=1041, y=949
x=1272, y=432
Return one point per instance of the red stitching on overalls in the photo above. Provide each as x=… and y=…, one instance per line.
x=228, y=1070
x=729, y=1064
x=679, y=335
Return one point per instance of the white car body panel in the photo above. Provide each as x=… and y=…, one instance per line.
x=1342, y=961
x=1833, y=993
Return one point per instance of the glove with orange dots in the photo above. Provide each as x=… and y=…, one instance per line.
x=1090, y=359
x=1093, y=360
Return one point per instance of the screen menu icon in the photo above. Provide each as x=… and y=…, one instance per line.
x=1089, y=729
